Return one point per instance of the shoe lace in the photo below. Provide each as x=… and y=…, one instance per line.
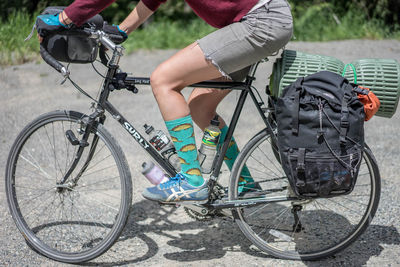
x=173, y=181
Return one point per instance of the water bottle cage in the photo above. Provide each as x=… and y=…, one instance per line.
x=167, y=153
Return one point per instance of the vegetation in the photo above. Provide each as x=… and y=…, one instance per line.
x=175, y=26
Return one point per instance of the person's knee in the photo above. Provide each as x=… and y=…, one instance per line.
x=162, y=82
x=156, y=82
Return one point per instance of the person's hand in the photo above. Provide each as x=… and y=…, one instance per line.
x=115, y=31
x=48, y=24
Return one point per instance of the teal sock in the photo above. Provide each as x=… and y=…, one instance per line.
x=182, y=134
x=231, y=155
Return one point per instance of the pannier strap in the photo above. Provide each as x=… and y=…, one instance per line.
x=295, y=116
x=360, y=90
x=344, y=120
x=301, y=167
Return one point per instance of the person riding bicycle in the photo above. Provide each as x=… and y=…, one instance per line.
x=248, y=31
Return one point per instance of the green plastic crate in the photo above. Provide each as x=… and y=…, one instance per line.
x=294, y=64
x=382, y=76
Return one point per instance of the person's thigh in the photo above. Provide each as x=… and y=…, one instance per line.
x=258, y=35
x=186, y=67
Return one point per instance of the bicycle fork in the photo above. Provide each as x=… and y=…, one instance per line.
x=88, y=123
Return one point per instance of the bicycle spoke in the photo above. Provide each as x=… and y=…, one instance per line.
x=259, y=162
x=95, y=164
x=252, y=170
x=88, y=174
x=356, y=211
x=95, y=200
x=357, y=202
x=258, y=209
x=37, y=167
x=276, y=167
x=36, y=196
x=101, y=181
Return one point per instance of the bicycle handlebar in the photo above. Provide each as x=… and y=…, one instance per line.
x=104, y=38
x=49, y=59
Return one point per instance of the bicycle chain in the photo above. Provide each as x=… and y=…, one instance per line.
x=197, y=215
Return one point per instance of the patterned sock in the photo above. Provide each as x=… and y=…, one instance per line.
x=231, y=155
x=182, y=134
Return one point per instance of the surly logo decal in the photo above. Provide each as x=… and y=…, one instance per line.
x=136, y=135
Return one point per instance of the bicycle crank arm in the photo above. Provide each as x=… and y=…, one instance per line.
x=229, y=204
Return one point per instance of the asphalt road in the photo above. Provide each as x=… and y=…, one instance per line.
x=165, y=236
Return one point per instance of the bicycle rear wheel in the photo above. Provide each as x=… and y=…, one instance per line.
x=303, y=229
x=78, y=220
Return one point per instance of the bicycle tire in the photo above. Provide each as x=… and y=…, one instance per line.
x=341, y=229
x=96, y=208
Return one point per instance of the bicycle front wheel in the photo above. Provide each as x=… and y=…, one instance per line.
x=77, y=220
x=300, y=229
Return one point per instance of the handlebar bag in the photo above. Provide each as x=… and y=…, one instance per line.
x=320, y=135
x=73, y=45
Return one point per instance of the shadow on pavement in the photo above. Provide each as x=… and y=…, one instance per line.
x=220, y=236
x=367, y=246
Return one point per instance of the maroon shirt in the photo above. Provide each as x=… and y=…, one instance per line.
x=217, y=13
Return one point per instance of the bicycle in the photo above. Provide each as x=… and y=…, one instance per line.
x=69, y=186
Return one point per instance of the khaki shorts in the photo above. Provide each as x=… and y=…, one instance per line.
x=259, y=34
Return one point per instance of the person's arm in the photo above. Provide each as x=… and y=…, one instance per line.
x=81, y=10
x=138, y=15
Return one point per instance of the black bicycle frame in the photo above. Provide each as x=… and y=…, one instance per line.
x=130, y=82
x=245, y=87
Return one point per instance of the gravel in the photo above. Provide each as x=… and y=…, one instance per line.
x=165, y=236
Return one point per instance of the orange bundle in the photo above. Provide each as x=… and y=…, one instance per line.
x=369, y=99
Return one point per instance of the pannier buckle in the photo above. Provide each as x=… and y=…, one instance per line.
x=300, y=167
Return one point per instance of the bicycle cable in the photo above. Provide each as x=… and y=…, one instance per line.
x=258, y=93
x=98, y=72
x=81, y=90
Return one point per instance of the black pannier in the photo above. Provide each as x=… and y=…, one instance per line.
x=69, y=46
x=320, y=135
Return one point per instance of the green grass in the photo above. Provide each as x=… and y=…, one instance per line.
x=316, y=24
x=13, y=49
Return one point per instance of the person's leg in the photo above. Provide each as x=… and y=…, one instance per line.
x=186, y=67
x=203, y=104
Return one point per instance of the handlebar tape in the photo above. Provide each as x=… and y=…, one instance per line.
x=49, y=59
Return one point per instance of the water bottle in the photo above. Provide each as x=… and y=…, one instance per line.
x=161, y=142
x=153, y=173
x=158, y=139
x=209, y=143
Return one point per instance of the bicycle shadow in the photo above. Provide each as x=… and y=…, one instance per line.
x=149, y=221
x=367, y=246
